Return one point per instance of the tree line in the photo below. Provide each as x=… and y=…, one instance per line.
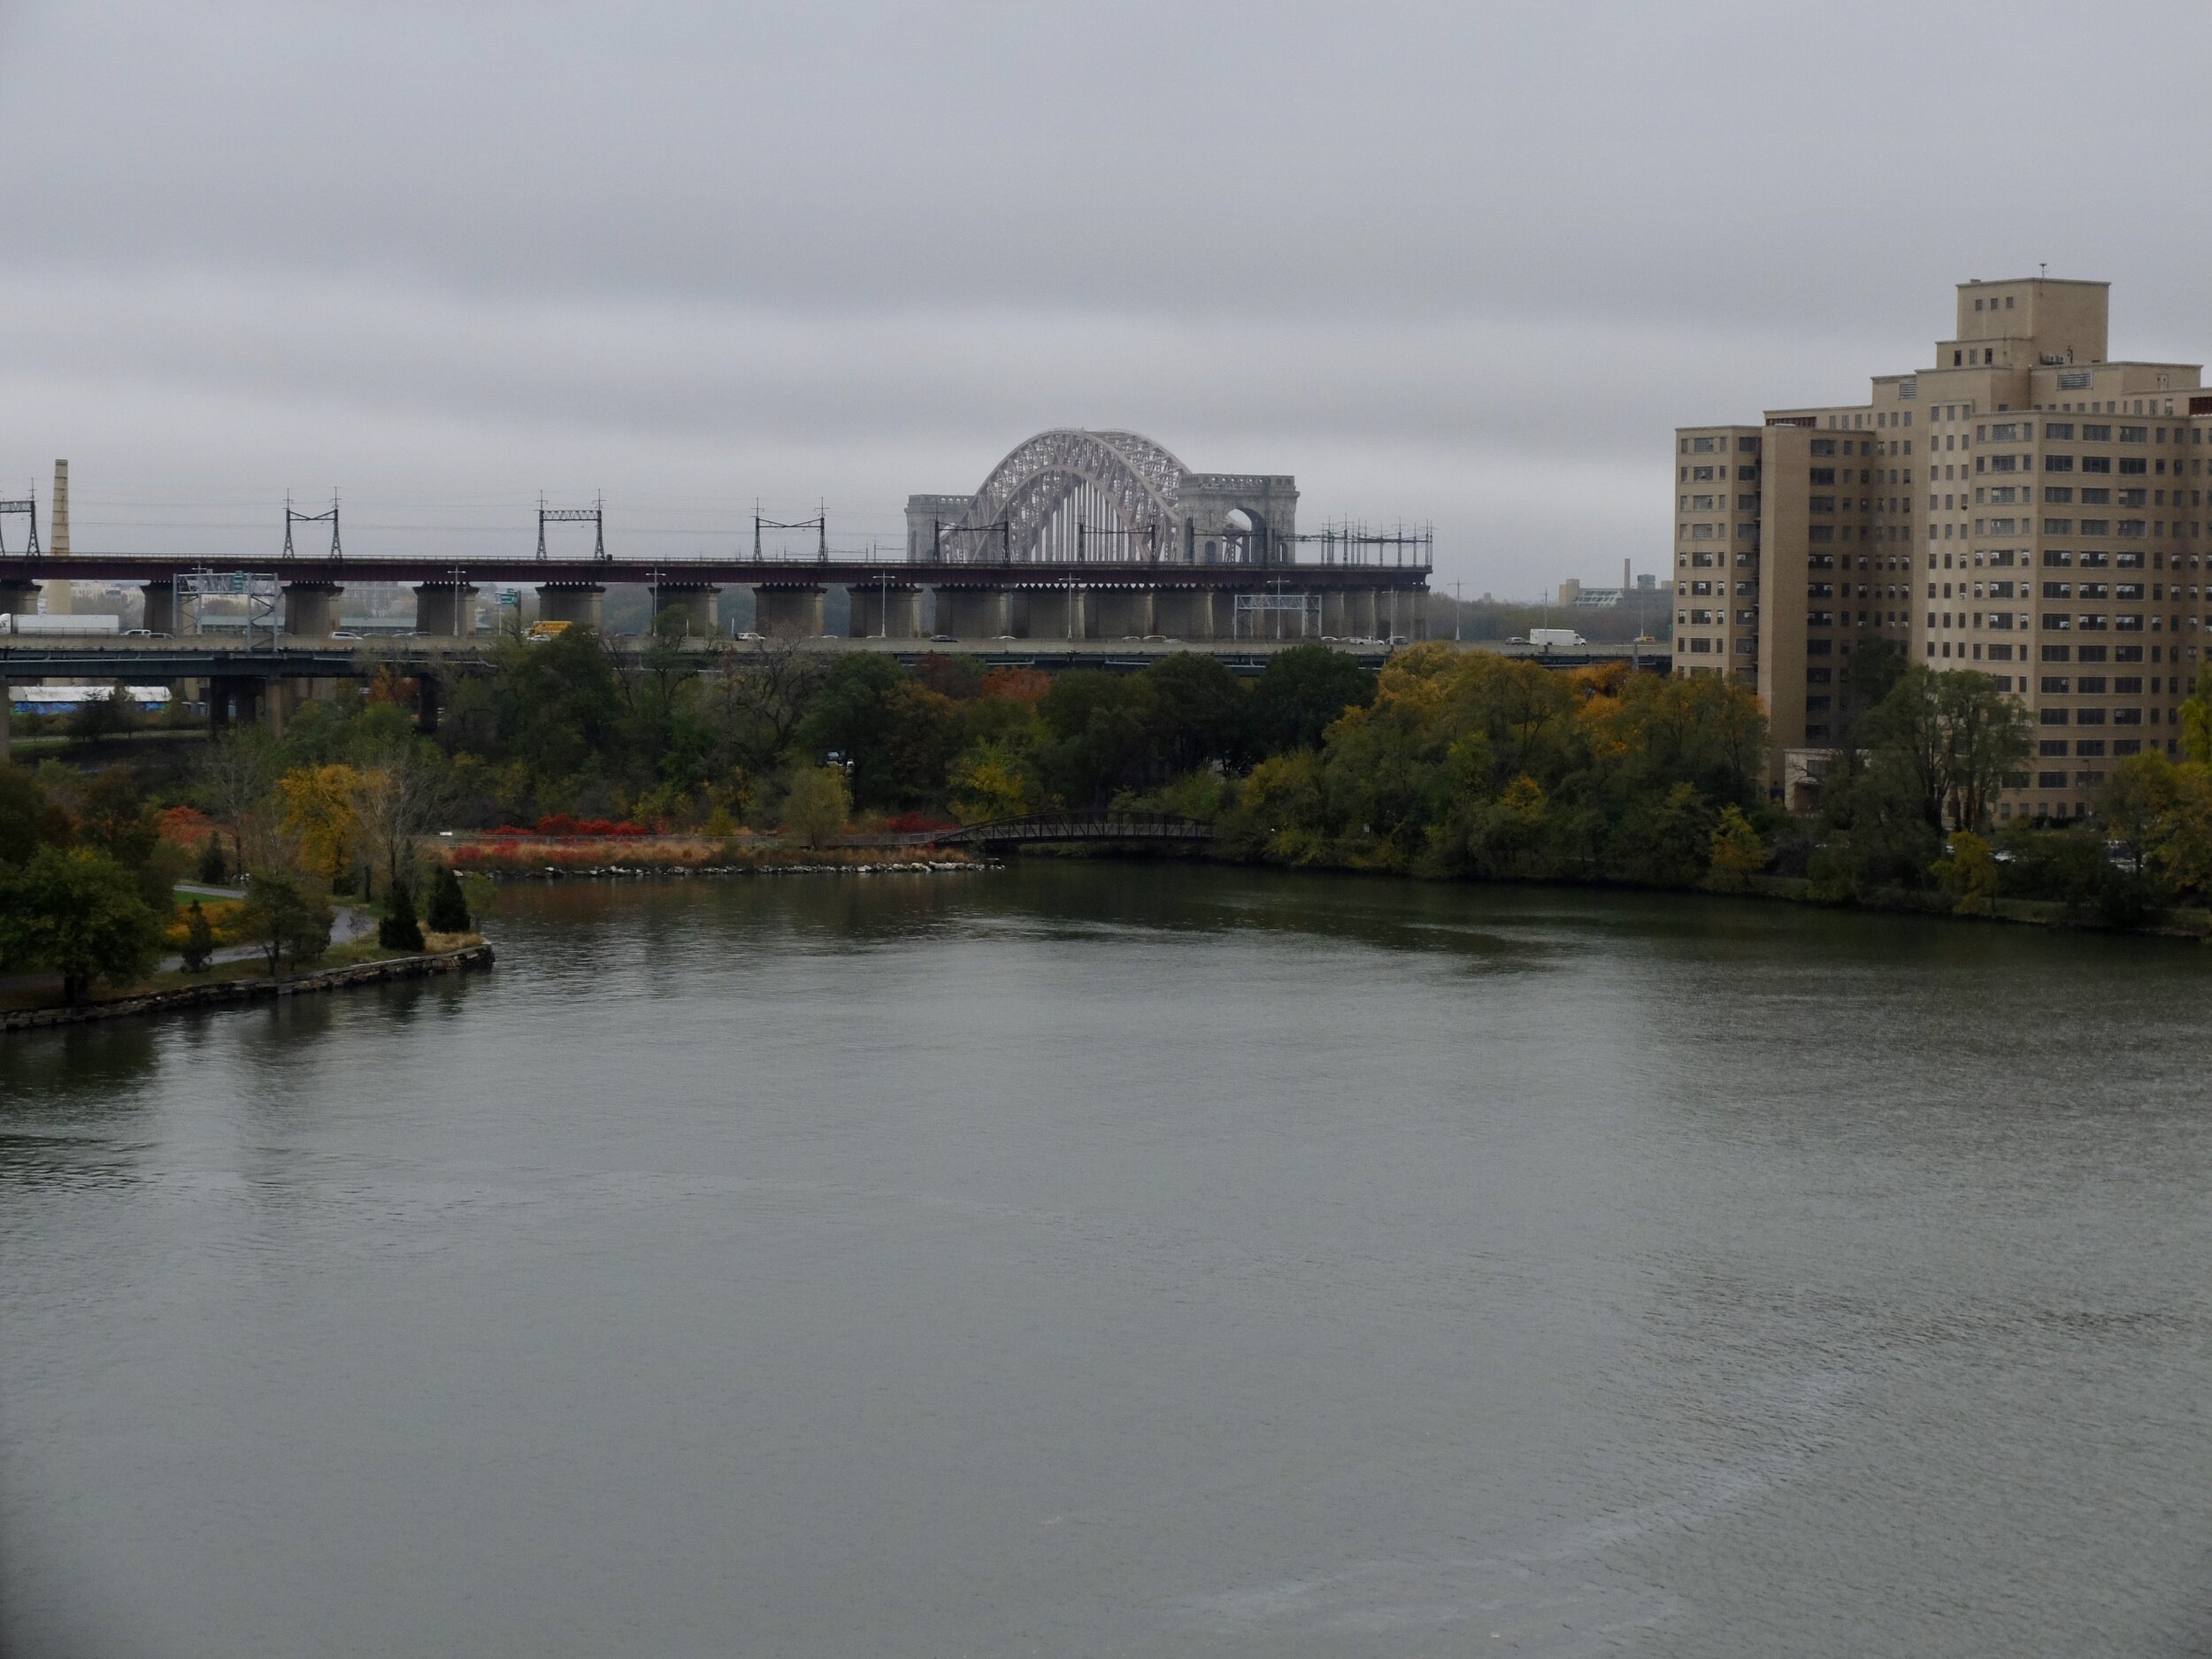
x=1446, y=764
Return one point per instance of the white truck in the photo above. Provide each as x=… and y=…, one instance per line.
x=27, y=622
x=1553, y=639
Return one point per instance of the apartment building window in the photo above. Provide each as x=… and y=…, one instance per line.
x=2127, y=716
x=2052, y=748
x=2134, y=466
x=2060, y=429
x=2052, y=717
x=2056, y=685
x=2095, y=527
x=2092, y=684
x=2135, y=434
x=2058, y=463
x=2053, y=622
x=2058, y=590
x=2096, y=435
x=2094, y=654
x=2090, y=749
x=2051, y=781
x=1822, y=446
x=2056, y=653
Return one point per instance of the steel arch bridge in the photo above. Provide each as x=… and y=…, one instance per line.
x=1074, y=495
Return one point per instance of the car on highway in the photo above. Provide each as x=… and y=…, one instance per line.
x=942, y=639
x=345, y=633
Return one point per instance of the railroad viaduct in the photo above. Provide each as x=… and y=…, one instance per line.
x=1074, y=539
x=1075, y=535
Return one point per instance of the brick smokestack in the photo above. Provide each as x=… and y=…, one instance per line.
x=60, y=598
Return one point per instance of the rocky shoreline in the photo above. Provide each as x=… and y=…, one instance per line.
x=223, y=992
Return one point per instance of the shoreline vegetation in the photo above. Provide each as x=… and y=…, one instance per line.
x=562, y=757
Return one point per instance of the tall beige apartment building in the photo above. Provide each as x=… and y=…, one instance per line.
x=2024, y=508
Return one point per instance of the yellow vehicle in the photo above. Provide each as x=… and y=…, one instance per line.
x=542, y=631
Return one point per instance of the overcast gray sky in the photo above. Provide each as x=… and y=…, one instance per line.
x=1457, y=262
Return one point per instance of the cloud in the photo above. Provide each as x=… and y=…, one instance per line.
x=1461, y=264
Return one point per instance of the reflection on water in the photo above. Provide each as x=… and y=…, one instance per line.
x=1125, y=1259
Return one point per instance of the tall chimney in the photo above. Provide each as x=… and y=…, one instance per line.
x=60, y=599
x=1627, y=582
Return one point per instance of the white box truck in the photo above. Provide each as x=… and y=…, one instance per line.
x=1552, y=639
x=26, y=622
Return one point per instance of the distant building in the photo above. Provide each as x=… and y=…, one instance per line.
x=1572, y=592
x=69, y=699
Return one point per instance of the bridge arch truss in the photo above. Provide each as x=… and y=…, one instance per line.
x=1070, y=495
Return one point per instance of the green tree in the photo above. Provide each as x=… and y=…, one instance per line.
x=76, y=912
x=1872, y=672
x=1301, y=692
x=109, y=715
x=29, y=817
x=815, y=806
x=114, y=818
x=2196, y=719
x=1969, y=872
x=211, y=869
x=1201, y=711
x=1507, y=830
x=2138, y=801
x=1956, y=736
x=1099, y=729
x=449, y=906
x=1738, y=852
x=288, y=919
x=398, y=930
x=199, y=939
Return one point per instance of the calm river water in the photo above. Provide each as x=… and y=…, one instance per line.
x=1127, y=1260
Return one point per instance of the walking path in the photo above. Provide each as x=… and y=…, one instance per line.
x=346, y=924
